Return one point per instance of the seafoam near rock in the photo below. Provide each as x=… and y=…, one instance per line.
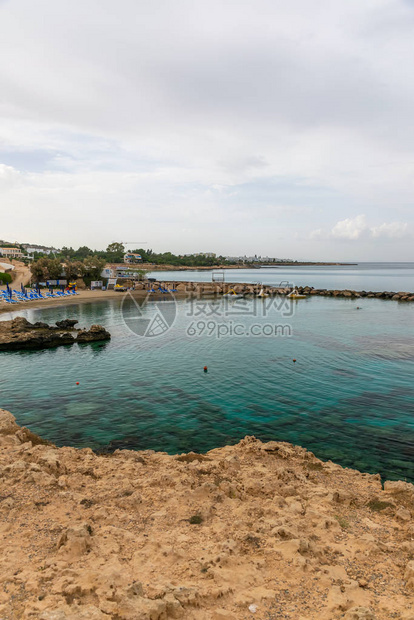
x=147, y=536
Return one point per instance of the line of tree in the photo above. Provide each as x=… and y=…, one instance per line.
x=114, y=253
x=47, y=268
x=191, y=260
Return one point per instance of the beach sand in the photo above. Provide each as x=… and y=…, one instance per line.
x=82, y=297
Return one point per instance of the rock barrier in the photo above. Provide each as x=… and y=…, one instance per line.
x=219, y=288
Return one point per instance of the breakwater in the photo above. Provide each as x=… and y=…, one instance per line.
x=221, y=288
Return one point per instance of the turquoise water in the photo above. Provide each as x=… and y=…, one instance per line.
x=364, y=276
x=349, y=397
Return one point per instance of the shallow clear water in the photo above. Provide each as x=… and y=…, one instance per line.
x=349, y=396
x=364, y=276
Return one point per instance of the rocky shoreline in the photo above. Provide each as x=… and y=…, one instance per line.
x=258, y=530
x=19, y=334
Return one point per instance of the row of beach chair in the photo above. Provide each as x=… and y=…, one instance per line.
x=163, y=290
x=12, y=296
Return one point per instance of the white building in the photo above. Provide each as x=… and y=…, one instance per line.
x=30, y=250
x=11, y=252
x=131, y=257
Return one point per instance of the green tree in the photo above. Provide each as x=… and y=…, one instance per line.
x=115, y=252
x=39, y=269
x=74, y=269
x=67, y=253
x=83, y=252
x=145, y=254
x=93, y=266
x=55, y=268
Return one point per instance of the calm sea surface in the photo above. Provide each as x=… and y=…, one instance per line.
x=349, y=396
x=364, y=276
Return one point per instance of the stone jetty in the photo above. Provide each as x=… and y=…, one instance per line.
x=220, y=288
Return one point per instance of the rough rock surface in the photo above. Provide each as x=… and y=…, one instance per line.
x=66, y=323
x=95, y=333
x=251, y=531
x=19, y=334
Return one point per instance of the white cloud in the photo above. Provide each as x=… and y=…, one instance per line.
x=393, y=230
x=9, y=177
x=266, y=117
x=357, y=228
x=350, y=228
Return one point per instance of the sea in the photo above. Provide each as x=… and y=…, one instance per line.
x=333, y=375
x=362, y=276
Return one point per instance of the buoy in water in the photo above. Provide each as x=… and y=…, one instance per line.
x=77, y=382
x=294, y=360
x=205, y=368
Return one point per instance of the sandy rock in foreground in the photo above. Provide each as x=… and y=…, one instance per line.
x=252, y=531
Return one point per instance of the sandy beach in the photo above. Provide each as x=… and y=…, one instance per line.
x=82, y=297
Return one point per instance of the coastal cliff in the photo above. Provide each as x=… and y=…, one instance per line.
x=255, y=530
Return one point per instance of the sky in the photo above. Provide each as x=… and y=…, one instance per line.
x=238, y=127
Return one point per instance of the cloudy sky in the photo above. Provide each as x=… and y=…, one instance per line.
x=250, y=126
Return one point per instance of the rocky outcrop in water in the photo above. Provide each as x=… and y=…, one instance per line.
x=19, y=334
x=66, y=323
x=252, y=531
x=94, y=334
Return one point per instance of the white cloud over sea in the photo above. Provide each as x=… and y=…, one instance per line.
x=353, y=229
x=237, y=127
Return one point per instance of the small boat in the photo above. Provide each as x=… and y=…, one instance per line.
x=262, y=293
x=295, y=295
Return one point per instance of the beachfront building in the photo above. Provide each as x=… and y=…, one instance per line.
x=11, y=252
x=131, y=257
x=108, y=272
x=119, y=271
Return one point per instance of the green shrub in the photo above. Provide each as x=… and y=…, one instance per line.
x=343, y=522
x=5, y=278
x=376, y=505
x=195, y=520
